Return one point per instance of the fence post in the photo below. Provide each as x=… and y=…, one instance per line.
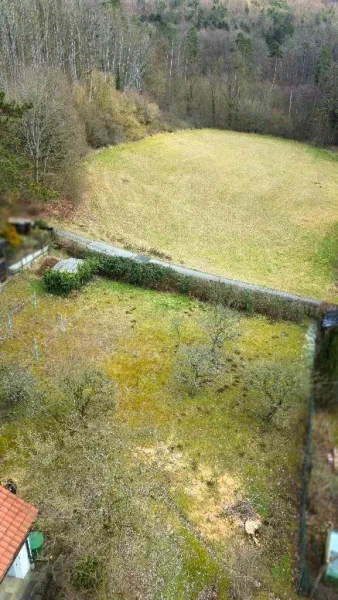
x=10, y=324
x=62, y=324
x=36, y=350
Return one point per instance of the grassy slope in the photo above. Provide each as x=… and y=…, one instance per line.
x=254, y=208
x=129, y=333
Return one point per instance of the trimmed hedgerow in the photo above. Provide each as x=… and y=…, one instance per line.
x=158, y=277
x=166, y=279
x=145, y=275
x=62, y=284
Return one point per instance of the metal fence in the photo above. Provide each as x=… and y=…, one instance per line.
x=27, y=261
x=307, y=585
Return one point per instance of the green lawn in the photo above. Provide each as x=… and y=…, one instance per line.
x=254, y=208
x=204, y=451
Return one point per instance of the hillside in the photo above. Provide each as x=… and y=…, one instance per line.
x=254, y=208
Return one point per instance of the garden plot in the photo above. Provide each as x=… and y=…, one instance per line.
x=206, y=434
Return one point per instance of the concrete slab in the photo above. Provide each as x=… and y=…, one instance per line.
x=12, y=588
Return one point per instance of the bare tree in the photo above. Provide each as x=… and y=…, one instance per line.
x=51, y=131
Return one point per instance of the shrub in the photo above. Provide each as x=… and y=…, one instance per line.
x=141, y=274
x=61, y=283
x=12, y=236
x=47, y=263
x=165, y=279
x=41, y=224
x=16, y=385
x=86, y=574
x=158, y=277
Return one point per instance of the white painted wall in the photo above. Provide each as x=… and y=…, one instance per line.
x=21, y=565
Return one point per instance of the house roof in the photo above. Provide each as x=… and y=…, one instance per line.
x=16, y=519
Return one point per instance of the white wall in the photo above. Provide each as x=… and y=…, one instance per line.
x=21, y=565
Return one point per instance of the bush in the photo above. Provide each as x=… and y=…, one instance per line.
x=62, y=284
x=86, y=574
x=12, y=236
x=111, y=117
x=144, y=275
x=41, y=224
x=165, y=279
x=16, y=386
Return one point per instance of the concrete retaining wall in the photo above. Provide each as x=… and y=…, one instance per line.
x=27, y=261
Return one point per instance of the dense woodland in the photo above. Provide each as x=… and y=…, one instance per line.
x=95, y=73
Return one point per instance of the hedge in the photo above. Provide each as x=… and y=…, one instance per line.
x=158, y=277
x=62, y=283
x=165, y=279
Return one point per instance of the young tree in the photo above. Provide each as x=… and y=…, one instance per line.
x=275, y=391
x=191, y=67
x=197, y=366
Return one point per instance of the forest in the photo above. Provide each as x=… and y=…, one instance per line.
x=84, y=74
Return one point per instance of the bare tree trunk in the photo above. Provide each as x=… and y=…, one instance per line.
x=290, y=102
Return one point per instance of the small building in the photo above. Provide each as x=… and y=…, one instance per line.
x=16, y=520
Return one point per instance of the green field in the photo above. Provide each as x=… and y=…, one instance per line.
x=198, y=450
x=250, y=207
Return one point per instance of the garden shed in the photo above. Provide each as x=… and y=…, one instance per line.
x=16, y=520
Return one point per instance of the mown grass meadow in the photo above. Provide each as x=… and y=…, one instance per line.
x=250, y=207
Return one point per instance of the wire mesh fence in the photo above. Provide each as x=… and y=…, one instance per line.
x=308, y=585
x=11, y=330
x=306, y=582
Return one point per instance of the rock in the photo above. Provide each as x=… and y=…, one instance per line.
x=251, y=528
x=332, y=459
x=335, y=459
x=68, y=265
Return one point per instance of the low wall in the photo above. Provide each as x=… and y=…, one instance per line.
x=308, y=306
x=26, y=261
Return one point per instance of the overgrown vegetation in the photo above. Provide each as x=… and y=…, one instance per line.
x=16, y=180
x=121, y=457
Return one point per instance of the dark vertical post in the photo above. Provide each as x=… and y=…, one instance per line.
x=326, y=362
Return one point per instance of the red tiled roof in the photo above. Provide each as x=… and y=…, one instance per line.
x=16, y=519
